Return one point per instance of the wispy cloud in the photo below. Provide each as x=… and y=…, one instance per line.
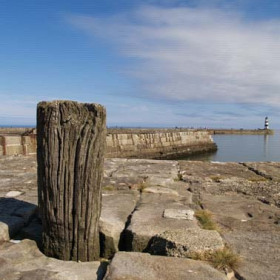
x=16, y=110
x=194, y=54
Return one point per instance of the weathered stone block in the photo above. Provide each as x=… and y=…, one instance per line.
x=13, y=150
x=116, y=208
x=185, y=242
x=24, y=261
x=148, y=221
x=180, y=214
x=140, y=266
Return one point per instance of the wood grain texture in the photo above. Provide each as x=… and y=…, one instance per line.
x=70, y=153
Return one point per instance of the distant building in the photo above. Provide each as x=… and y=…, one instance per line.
x=266, y=123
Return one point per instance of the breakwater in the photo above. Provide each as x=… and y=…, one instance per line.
x=158, y=143
x=242, y=131
x=18, y=144
x=123, y=143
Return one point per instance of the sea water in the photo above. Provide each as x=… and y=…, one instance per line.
x=242, y=148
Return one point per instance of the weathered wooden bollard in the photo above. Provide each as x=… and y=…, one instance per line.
x=71, y=137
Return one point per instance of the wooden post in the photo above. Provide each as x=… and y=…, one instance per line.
x=71, y=137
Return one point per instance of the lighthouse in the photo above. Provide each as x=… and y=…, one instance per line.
x=266, y=124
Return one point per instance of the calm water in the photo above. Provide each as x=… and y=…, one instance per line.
x=241, y=148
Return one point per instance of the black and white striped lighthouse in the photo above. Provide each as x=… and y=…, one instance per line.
x=266, y=123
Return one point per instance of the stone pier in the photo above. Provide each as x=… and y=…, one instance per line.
x=125, y=143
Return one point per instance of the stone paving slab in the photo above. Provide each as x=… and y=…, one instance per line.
x=153, y=172
x=245, y=200
x=252, y=229
x=270, y=170
x=241, y=210
x=116, y=209
x=220, y=178
x=184, y=243
x=180, y=214
x=260, y=253
x=19, y=173
x=148, y=220
x=23, y=261
x=142, y=266
x=214, y=171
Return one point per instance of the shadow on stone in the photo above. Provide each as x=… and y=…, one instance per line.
x=32, y=231
x=107, y=249
x=126, y=238
x=19, y=220
x=101, y=271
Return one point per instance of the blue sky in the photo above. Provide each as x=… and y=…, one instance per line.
x=151, y=63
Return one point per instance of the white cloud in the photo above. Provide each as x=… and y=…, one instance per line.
x=17, y=111
x=195, y=54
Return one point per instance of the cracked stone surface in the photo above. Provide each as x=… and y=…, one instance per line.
x=185, y=242
x=125, y=173
x=19, y=174
x=269, y=170
x=148, y=220
x=142, y=266
x=251, y=228
x=137, y=198
x=245, y=205
x=220, y=178
x=116, y=208
x=23, y=261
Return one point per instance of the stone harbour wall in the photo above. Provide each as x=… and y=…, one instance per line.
x=126, y=143
x=16, y=130
x=17, y=145
x=158, y=144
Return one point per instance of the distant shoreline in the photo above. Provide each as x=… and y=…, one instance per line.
x=242, y=131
